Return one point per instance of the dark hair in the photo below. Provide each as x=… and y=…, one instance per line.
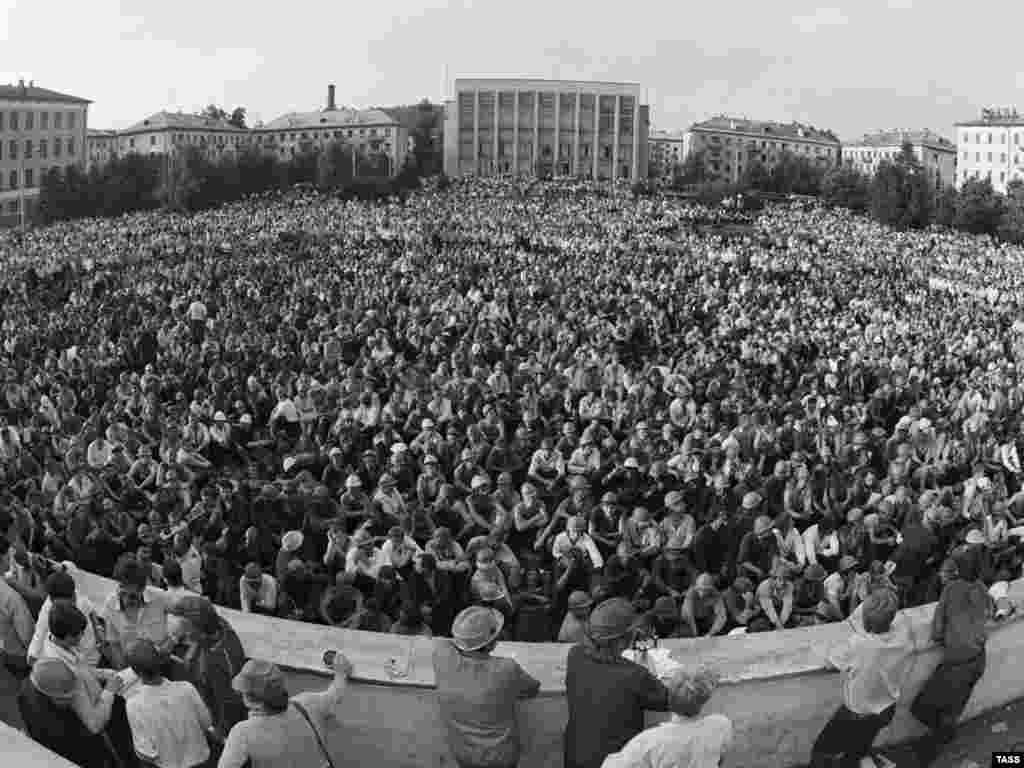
x=66, y=621
x=144, y=659
x=130, y=571
x=60, y=586
x=172, y=573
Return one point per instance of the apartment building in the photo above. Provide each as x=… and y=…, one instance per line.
x=101, y=147
x=991, y=148
x=163, y=132
x=936, y=154
x=666, y=150
x=40, y=129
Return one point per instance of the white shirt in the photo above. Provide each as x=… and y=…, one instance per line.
x=88, y=651
x=197, y=311
x=676, y=743
x=265, y=597
x=563, y=544
x=169, y=723
x=192, y=570
x=399, y=559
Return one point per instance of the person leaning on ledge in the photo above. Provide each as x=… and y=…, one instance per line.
x=282, y=730
x=607, y=694
x=477, y=692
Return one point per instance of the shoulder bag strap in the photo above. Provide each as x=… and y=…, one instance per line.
x=316, y=733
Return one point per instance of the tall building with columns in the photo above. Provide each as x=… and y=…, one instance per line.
x=496, y=126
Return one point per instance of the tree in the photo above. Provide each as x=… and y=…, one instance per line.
x=979, y=208
x=214, y=112
x=846, y=187
x=182, y=179
x=237, y=118
x=334, y=166
x=901, y=195
x=756, y=177
x=1011, y=223
x=795, y=175
x=945, y=207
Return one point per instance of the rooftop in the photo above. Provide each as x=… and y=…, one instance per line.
x=899, y=137
x=100, y=133
x=765, y=128
x=181, y=120
x=667, y=136
x=346, y=116
x=32, y=92
x=1001, y=116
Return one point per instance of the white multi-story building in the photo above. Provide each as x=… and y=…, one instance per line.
x=372, y=131
x=731, y=144
x=991, y=148
x=667, y=149
x=40, y=129
x=164, y=132
x=546, y=128
x=935, y=153
x=101, y=147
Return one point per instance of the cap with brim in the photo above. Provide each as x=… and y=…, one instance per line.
x=431, y=459
x=631, y=463
x=54, y=679
x=259, y=679
x=476, y=627
x=975, y=536
x=353, y=481
x=612, y=619
x=292, y=541
x=751, y=500
x=579, y=600
x=478, y=481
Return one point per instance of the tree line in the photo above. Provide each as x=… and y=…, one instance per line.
x=901, y=193
x=188, y=179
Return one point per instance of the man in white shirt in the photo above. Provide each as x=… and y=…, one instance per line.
x=575, y=536
x=60, y=586
x=258, y=591
x=169, y=720
x=686, y=740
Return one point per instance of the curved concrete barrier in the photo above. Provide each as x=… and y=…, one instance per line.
x=776, y=687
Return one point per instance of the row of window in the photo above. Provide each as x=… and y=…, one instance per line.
x=965, y=138
x=15, y=120
x=797, y=147
x=989, y=157
x=42, y=145
x=305, y=135
x=12, y=179
x=965, y=175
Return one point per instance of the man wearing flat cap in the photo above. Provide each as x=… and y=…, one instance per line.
x=477, y=692
x=607, y=694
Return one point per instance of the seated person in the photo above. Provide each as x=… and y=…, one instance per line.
x=740, y=603
x=704, y=613
x=775, y=597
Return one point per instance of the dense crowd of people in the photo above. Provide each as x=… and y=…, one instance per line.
x=531, y=398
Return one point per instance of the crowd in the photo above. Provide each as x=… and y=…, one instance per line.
x=535, y=399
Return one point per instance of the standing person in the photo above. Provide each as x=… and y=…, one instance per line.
x=282, y=730
x=132, y=613
x=958, y=625
x=607, y=694
x=16, y=625
x=685, y=739
x=169, y=720
x=478, y=692
x=874, y=666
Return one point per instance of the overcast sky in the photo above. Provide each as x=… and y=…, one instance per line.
x=851, y=66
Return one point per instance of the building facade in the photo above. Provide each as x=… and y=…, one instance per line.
x=991, y=147
x=730, y=145
x=40, y=129
x=666, y=150
x=164, y=132
x=936, y=154
x=371, y=131
x=546, y=128
x=101, y=147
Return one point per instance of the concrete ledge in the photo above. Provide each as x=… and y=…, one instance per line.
x=777, y=688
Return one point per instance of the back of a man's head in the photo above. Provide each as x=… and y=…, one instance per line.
x=880, y=610
x=172, y=572
x=60, y=586
x=66, y=621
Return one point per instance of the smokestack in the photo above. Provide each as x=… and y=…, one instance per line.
x=330, y=97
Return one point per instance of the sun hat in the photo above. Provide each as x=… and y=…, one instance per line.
x=353, y=481
x=751, y=500
x=846, y=562
x=427, y=424
x=430, y=459
x=762, y=524
x=476, y=627
x=260, y=680
x=292, y=541
x=975, y=536
x=631, y=463
x=54, y=678
x=479, y=481
x=220, y=417
x=815, y=572
x=579, y=600
x=612, y=619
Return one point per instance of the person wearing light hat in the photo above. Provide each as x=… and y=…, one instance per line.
x=291, y=549
x=257, y=591
x=874, y=665
x=283, y=730
x=477, y=692
x=758, y=550
x=607, y=695
x=356, y=505
x=839, y=589
x=574, y=625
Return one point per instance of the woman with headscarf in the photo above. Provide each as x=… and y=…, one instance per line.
x=959, y=626
x=210, y=656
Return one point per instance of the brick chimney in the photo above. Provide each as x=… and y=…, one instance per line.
x=330, y=98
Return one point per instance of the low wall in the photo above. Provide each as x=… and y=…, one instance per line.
x=776, y=687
